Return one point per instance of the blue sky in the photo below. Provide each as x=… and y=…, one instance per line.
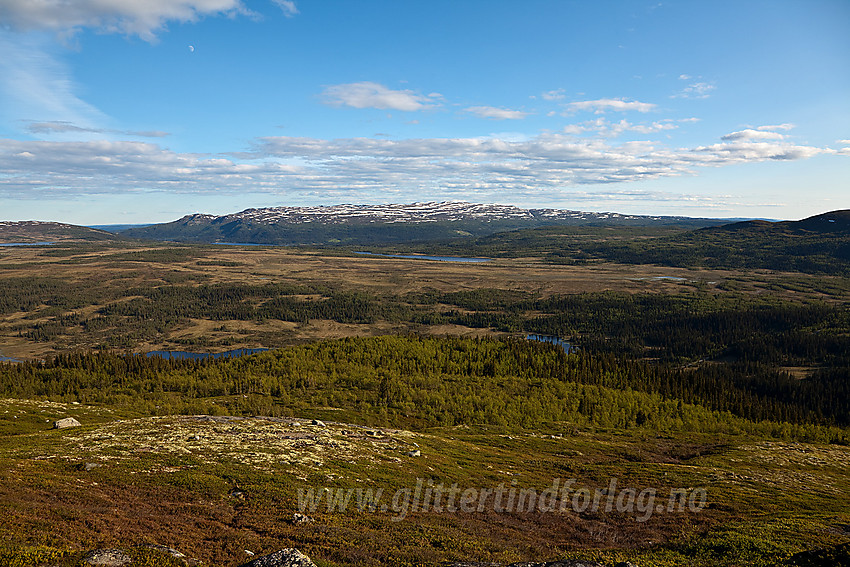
x=131, y=111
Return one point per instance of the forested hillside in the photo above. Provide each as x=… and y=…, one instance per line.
x=418, y=382
x=817, y=245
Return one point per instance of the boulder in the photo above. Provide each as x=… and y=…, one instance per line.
x=108, y=557
x=299, y=518
x=414, y=453
x=66, y=422
x=282, y=558
x=318, y=422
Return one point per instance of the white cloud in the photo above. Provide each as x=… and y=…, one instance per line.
x=64, y=127
x=785, y=127
x=36, y=84
x=695, y=90
x=845, y=142
x=727, y=153
x=605, y=104
x=604, y=128
x=557, y=94
x=288, y=6
x=750, y=134
x=494, y=113
x=132, y=17
x=374, y=95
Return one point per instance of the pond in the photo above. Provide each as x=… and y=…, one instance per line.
x=26, y=243
x=568, y=348
x=182, y=354
x=424, y=257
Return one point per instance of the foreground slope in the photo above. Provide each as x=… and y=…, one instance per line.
x=346, y=419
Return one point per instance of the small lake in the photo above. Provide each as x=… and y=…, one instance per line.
x=26, y=243
x=568, y=348
x=424, y=257
x=182, y=354
x=8, y=359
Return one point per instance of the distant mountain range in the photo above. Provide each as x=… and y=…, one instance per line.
x=384, y=224
x=818, y=244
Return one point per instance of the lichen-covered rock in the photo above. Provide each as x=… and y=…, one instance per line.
x=299, y=518
x=282, y=558
x=66, y=422
x=108, y=558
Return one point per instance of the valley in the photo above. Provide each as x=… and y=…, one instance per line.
x=388, y=373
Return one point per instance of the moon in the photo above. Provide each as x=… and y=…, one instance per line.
x=191, y=49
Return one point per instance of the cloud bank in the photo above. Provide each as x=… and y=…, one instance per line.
x=542, y=167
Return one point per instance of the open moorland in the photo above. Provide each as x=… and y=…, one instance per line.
x=720, y=392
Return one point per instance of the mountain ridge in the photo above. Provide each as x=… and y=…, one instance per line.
x=430, y=211
x=387, y=223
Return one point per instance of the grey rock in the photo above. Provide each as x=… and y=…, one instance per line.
x=282, y=558
x=625, y=564
x=298, y=518
x=414, y=453
x=318, y=422
x=66, y=422
x=108, y=557
x=89, y=466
